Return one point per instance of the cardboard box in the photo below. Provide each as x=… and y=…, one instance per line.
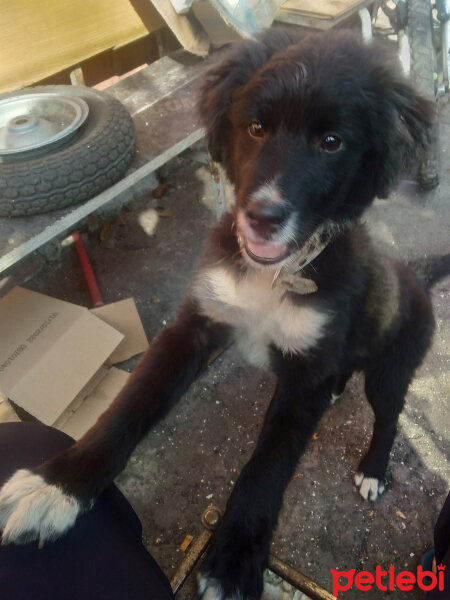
x=53, y=355
x=79, y=417
x=124, y=317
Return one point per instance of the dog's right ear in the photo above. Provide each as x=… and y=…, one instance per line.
x=232, y=70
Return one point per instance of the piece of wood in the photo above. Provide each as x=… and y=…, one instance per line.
x=117, y=61
x=320, y=15
x=37, y=40
x=325, y=9
x=186, y=543
x=77, y=77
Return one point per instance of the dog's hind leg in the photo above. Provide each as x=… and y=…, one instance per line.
x=387, y=381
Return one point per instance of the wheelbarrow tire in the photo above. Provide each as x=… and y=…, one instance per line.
x=420, y=34
x=92, y=160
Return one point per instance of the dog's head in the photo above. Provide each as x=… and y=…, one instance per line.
x=309, y=131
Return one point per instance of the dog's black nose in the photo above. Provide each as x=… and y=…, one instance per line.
x=264, y=218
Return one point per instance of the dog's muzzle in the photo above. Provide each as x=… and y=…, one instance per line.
x=260, y=232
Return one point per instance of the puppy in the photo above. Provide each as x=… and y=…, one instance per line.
x=310, y=132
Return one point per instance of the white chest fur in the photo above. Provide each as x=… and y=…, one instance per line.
x=259, y=314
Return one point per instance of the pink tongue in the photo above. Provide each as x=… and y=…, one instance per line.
x=266, y=250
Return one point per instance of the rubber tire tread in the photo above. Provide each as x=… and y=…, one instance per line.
x=94, y=159
x=420, y=36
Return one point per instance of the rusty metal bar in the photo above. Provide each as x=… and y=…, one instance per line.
x=298, y=580
x=195, y=551
x=210, y=518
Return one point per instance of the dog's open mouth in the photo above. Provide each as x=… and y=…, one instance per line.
x=267, y=253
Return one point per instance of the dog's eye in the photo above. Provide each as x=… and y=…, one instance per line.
x=331, y=143
x=255, y=129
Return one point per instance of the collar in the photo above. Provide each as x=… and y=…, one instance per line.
x=289, y=276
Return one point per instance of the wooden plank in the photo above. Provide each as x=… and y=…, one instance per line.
x=325, y=9
x=40, y=39
x=157, y=81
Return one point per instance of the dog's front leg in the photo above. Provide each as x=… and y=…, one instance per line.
x=43, y=503
x=234, y=567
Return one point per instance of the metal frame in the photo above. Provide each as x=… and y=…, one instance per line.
x=443, y=15
x=210, y=519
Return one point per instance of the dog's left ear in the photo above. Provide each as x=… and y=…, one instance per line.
x=416, y=112
x=404, y=133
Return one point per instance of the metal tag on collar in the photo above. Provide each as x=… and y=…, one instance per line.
x=293, y=281
x=298, y=285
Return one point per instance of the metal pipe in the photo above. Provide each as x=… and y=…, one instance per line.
x=210, y=518
x=88, y=272
x=195, y=551
x=298, y=580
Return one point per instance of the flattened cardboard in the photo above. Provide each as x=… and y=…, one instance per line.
x=87, y=413
x=7, y=413
x=49, y=350
x=124, y=317
x=81, y=397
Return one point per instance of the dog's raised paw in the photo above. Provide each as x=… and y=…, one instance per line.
x=32, y=509
x=210, y=589
x=369, y=487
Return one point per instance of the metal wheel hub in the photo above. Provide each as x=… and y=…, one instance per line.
x=35, y=124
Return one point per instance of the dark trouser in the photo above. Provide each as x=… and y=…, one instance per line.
x=101, y=558
x=442, y=549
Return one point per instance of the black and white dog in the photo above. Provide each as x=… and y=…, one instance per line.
x=309, y=132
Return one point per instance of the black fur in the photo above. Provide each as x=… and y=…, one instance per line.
x=376, y=317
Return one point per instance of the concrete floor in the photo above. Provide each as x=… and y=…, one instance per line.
x=194, y=456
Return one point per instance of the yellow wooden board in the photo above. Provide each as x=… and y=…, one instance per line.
x=41, y=37
x=321, y=9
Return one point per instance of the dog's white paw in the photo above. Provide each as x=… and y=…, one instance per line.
x=210, y=589
x=31, y=509
x=369, y=487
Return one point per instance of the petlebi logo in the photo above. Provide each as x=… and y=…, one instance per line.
x=389, y=580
